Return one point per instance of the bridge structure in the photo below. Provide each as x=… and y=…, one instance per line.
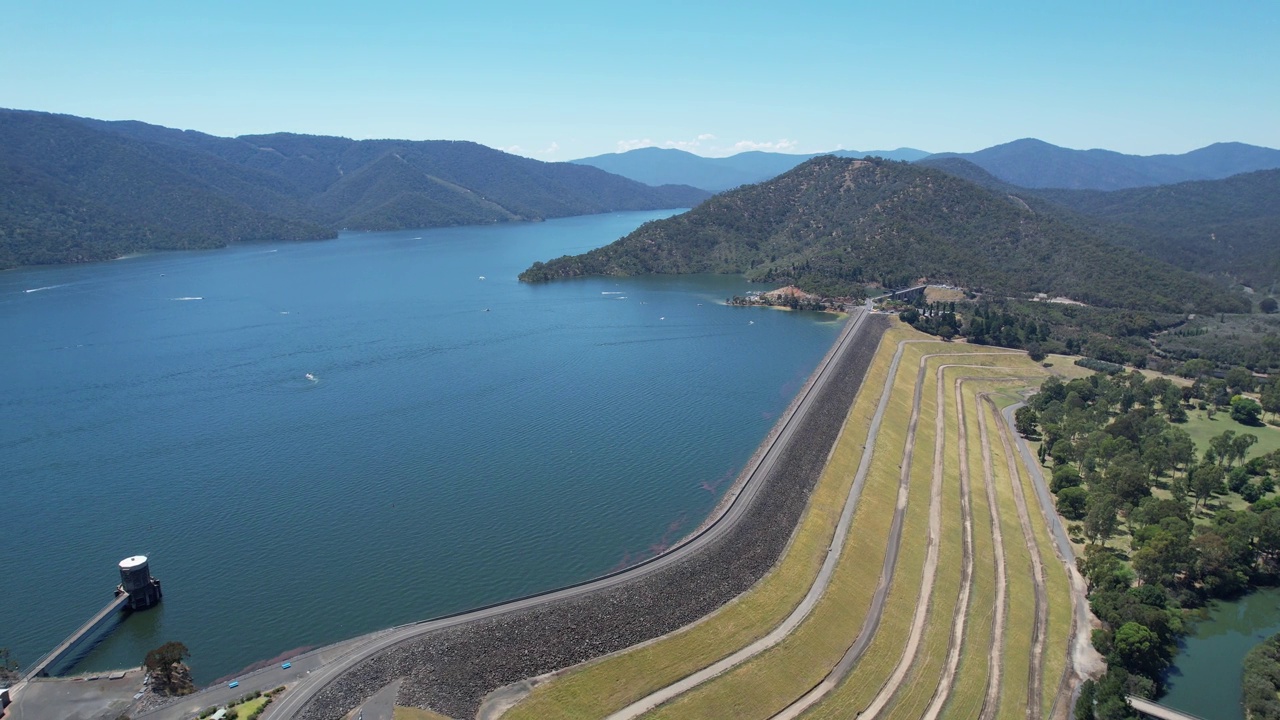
x=107, y=616
x=1158, y=711
x=904, y=293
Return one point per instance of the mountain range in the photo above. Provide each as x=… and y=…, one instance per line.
x=660, y=166
x=1026, y=163
x=1229, y=226
x=1034, y=163
x=75, y=189
x=831, y=225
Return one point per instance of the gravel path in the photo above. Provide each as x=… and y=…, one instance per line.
x=450, y=669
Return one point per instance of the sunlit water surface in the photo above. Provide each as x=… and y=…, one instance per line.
x=316, y=440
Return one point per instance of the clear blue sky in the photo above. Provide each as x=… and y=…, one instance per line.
x=558, y=80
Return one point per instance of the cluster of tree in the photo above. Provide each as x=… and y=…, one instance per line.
x=833, y=224
x=8, y=667
x=1218, y=226
x=934, y=318
x=73, y=189
x=1226, y=392
x=1260, y=692
x=169, y=673
x=1251, y=341
x=792, y=302
x=1123, y=466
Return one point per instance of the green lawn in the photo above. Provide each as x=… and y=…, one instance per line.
x=1201, y=428
x=245, y=709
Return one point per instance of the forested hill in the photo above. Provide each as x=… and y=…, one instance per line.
x=657, y=166
x=74, y=189
x=1230, y=225
x=832, y=224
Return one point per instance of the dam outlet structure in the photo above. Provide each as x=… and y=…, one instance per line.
x=136, y=582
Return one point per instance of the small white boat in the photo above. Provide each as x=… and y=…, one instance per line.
x=311, y=377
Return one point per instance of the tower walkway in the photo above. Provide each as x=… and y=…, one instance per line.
x=110, y=612
x=1156, y=710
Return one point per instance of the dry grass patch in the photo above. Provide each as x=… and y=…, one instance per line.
x=970, y=686
x=919, y=687
x=1020, y=621
x=1057, y=593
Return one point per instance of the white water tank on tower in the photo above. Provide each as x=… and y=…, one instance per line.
x=136, y=581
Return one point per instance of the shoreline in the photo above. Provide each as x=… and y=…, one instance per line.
x=753, y=462
x=450, y=664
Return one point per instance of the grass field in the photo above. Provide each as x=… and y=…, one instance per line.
x=973, y=674
x=1020, y=612
x=1201, y=428
x=1057, y=589
x=917, y=691
x=885, y=651
x=245, y=709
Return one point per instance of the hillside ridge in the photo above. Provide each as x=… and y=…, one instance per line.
x=832, y=225
x=77, y=189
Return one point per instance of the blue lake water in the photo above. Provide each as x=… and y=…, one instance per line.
x=465, y=438
x=1209, y=669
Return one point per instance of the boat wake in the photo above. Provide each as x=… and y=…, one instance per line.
x=187, y=298
x=46, y=287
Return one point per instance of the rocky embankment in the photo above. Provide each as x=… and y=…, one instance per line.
x=451, y=670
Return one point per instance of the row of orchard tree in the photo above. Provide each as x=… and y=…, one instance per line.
x=1147, y=504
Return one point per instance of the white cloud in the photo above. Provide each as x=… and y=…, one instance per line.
x=513, y=149
x=625, y=145
x=782, y=145
x=552, y=149
x=689, y=145
x=696, y=145
x=707, y=145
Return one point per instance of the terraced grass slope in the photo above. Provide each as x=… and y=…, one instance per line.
x=948, y=598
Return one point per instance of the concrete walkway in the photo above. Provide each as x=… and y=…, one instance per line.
x=1156, y=710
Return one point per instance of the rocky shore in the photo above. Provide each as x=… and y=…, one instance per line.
x=451, y=670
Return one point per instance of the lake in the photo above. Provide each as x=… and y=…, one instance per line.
x=315, y=440
x=1208, y=671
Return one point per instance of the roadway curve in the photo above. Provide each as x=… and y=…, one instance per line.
x=450, y=663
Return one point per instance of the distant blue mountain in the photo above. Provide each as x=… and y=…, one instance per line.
x=663, y=166
x=1032, y=163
